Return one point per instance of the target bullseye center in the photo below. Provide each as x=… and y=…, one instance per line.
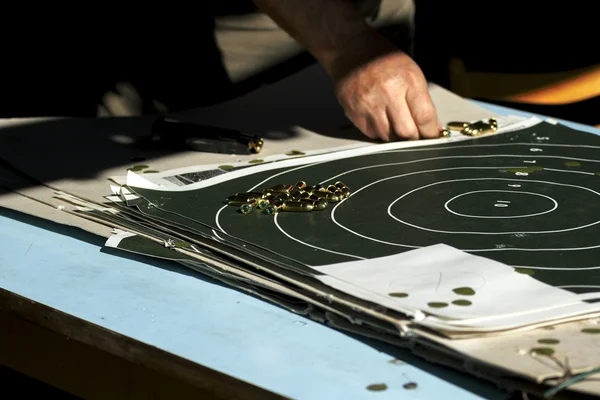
x=500, y=204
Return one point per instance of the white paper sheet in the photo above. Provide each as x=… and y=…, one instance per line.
x=506, y=124
x=450, y=284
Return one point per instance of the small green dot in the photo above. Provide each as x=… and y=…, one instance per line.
x=151, y=171
x=226, y=167
x=137, y=168
x=245, y=208
x=594, y=331
x=542, y=351
x=435, y=304
x=295, y=153
x=398, y=294
x=464, y=291
x=525, y=169
x=257, y=161
x=461, y=302
x=549, y=341
x=525, y=271
x=377, y=387
x=572, y=164
x=270, y=210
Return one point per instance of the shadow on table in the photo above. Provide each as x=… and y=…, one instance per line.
x=95, y=240
x=80, y=149
x=469, y=383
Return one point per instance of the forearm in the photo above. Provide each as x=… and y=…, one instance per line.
x=326, y=28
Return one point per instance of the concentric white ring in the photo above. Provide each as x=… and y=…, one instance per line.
x=492, y=233
x=447, y=207
x=516, y=179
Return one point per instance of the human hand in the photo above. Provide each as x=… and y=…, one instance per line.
x=383, y=91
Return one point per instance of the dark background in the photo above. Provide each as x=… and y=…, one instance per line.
x=58, y=62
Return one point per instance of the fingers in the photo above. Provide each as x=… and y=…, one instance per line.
x=402, y=121
x=362, y=124
x=379, y=125
x=373, y=125
x=407, y=120
x=423, y=113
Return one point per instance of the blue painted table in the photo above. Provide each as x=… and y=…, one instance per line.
x=190, y=321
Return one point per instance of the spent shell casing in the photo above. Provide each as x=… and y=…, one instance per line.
x=274, y=206
x=247, y=208
x=332, y=188
x=239, y=200
x=297, y=206
x=263, y=203
x=282, y=188
x=319, y=195
x=340, y=184
x=300, y=185
x=457, y=125
x=296, y=194
x=332, y=198
x=320, y=205
x=346, y=192
x=256, y=195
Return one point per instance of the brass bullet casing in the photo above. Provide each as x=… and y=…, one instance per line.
x=255, y=146
x=282, y=195
x=297, y=206
x=320, y=205
x=309, y=189
x=346, y=192
x=446, y=133
x=481, y=128
x=263, y=203
x=318, y=188
x=332, y=188
x=238, y=200
x=456, y=125
x=283, y=188
x=247, y=208
x=332, y=198
x=256, y=195
x=340, y=185
x=339, y=194
x=305, y=195
x=300, y=185
x=275, y=206
x=319, y=195
x=271, y=195
x=308, y=201
x=296, y=194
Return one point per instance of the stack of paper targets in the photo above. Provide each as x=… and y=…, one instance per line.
x=476, y=252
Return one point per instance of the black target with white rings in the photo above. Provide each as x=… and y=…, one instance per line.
x=530, y=199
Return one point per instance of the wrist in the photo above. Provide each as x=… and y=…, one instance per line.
x=356, y=52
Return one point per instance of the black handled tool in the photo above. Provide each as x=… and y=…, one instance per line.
x=204, y=138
